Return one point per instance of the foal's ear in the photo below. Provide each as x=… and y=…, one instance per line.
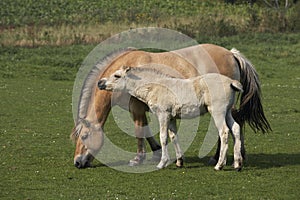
x=126, y=68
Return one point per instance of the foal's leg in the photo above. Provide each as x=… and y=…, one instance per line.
x=213, y=160
x=235, y=129
x=174, y=138
x=223, y=130
x=164, y=124
x=238, y=119
x=223, y=133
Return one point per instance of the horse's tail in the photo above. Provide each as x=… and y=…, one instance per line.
x=251, y=109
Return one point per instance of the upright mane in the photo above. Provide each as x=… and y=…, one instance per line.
x=89, y=85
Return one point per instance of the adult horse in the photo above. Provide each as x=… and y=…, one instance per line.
x=95, y=105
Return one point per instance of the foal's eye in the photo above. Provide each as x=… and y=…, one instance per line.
x=117, y=76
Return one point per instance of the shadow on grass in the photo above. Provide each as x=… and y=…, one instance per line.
x=259, y=161
x=265, y=161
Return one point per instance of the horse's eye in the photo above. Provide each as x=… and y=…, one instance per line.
x=117, y=76
x=83, y=137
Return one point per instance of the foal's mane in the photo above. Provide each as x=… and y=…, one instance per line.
x=89, y=85
x=136, y=71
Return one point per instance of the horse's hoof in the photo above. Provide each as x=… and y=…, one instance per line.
x=212, y=161
x=137, y=160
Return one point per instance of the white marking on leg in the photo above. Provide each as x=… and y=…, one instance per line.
x=223, y=132
x=235, y=129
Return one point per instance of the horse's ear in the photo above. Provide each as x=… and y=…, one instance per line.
x=98, y=126
x=85, y=122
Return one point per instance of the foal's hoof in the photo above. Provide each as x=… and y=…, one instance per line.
x=179, y=162
x=238, y=169
x=218, y=168
x=238, y=165
x=162, y=164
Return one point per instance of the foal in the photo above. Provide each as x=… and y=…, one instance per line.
x=172, y=98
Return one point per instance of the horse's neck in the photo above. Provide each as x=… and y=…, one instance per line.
x=91, y=112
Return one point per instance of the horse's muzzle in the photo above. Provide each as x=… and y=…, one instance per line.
x=83, y=161
x=101, y=84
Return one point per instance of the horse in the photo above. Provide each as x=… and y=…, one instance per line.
x=94, y=104
x=167, y=98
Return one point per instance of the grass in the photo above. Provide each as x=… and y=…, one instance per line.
x=37, y=23
x=36, y=160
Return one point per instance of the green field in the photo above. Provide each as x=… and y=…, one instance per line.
x=36, y=120
x=36, y=160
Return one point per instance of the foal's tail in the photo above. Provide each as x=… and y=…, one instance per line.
x=237, y=86
x=251, y=109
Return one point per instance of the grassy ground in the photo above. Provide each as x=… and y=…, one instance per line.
x=36, y=23
x=36, y=160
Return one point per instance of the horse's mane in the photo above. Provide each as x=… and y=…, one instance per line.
x=138, y=70
x=89, y=85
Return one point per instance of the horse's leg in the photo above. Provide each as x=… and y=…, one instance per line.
x=142, y=130
x=139, y=120
x=164, y=124
x=174, y=138
x=235, y=129
x=155, y=146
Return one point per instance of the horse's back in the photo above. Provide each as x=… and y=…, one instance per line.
x=209, y=58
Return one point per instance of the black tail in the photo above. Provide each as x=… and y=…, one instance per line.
x=251, y=109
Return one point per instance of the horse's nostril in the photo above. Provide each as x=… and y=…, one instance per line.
x=77, y=164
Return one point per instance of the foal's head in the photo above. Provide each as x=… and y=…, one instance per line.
x=116, y=82
x=89, y=140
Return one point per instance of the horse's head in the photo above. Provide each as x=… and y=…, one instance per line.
x=116, y=81
x=89, y=140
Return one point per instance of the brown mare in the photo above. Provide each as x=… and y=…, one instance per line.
x=95, y=105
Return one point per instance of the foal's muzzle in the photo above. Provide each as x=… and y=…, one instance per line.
x=101, y=84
